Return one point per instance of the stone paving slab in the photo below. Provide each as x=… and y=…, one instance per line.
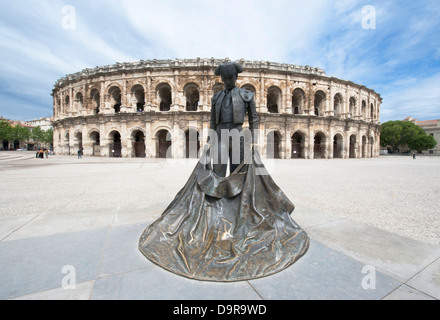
x=109, y=266
x=397, y=256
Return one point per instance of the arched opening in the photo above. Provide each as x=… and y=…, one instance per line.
x=95, y=99
x=66, y=103
x=298, y=140
x=115, y=98
x=16, y=144
x=298, y=100
x=273, y=99
x=364, y=109
x=352, y=107
x=79, y=140
x=319, y=103
x=319, y=146
x=115, y=144
x=67, y=142
x=338, y=146
x=163, y=92
x=364, y=147
x=371, y=147
x=138, y=94
x=5, y=145
x=372, y=115
x=139, y=144
x=192, y=95
x=337, y=104
x=96, y=143
x=163, y=146
x=79, y=101
x=273, y=145
x=192, y=145
x=352, y=151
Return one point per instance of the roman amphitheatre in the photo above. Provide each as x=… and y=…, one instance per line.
x=151, y=109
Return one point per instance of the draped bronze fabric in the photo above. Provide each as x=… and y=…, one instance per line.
x=226, y=229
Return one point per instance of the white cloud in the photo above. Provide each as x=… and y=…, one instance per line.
x=409, y=97
x=36, y=50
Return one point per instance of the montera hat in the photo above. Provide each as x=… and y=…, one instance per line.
x=228, y=68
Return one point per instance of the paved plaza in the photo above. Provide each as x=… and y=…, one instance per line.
x=68, y=222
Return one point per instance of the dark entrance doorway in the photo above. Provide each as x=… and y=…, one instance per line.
x=297, y=146
x=163, y=144
x=115, y=145
x=337, y=146
x=352, y=151
x=95, y=137
x=139, y=144
x=192, y=143
x=273, y=145
x=319, y=146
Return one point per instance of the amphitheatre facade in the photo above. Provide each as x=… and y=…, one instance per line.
x=155, y=108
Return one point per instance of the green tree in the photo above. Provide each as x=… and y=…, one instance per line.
x=399, y=134
x=21, y=133
x=37, y=134
x=420, y=143
x=48, y=136
x=6, y=131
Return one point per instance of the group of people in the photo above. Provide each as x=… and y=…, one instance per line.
x=41, y=153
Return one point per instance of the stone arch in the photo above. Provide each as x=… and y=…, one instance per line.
x=138, y=97
x=319, y=145
x=66, y=103
x=364, y=109
x=78, y=139
x=298, y=101
x=164, y=95
x=364, y=150
x=371, y=151
x=138, y=139
x=115, y=98
x=95, y=99
x=95, y=137
x=352, y=146
x=79, y=101
x=191, y=93
x=372, y=113
x=163, y=143
x=338, y=145
x=352, y=110
x=319, y=103
x=298, y=141
x=115, y=143
x=274, y=99
x=273, y=144
x=338, y=104
x=192, y=142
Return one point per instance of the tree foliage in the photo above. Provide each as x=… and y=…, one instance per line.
x=18, y=132
x=399, y=134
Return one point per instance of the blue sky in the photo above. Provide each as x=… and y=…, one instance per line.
x=399, y=58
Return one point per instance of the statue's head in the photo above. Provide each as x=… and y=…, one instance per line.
x=229, y=72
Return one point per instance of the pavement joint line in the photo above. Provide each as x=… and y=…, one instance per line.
x=428, y=265
x=256, y=291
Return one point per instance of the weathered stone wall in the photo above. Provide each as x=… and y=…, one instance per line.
x=333, y=117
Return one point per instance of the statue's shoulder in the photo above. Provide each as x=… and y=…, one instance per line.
x=246, y=95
